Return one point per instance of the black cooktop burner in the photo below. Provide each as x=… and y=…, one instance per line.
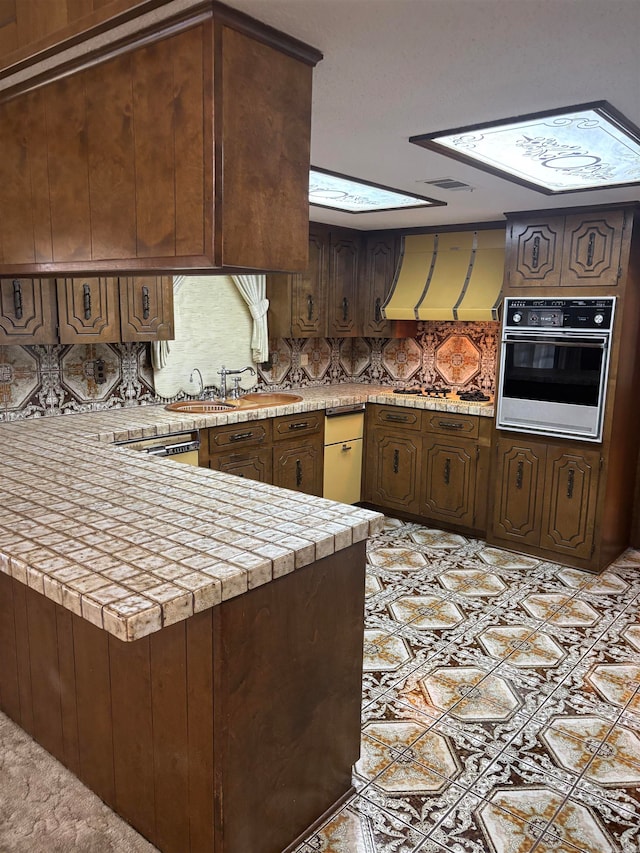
x=475, y=396
x=423, y=391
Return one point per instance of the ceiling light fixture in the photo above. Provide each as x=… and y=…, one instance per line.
x=584, y=147
x=340, y=192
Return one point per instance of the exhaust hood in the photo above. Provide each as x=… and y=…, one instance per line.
x=448, y=276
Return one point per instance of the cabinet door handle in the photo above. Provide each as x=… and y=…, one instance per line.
x=17, y=299
x=145, y=303
x=519, y=474
x=447, y=471
x=86, y=298
x=377, y=313
x=309, y=307
x=346, y=447
x=570, y=483
x=401, y=419
x=450, y=425
x=298, y=472
x=396, y=461
x=299, y=425
x=591, y=248
x=345, y=309
x=535, y=254
x=240, y=436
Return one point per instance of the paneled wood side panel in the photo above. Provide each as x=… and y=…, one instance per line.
x=23, y=656
x=67, y=151
x=9, y=687
x=266, y=155
x=282, y=765
x=132, y=726
x=67, y=675
x=110, y=126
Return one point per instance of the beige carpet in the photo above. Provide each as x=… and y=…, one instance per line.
x=45, y=809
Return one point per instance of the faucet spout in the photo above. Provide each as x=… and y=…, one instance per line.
x=193, y=372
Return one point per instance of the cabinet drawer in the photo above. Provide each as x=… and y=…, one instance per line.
x=444, y=423
x=291, y=426
x=234, y=435
x=397, y=417
x=344, y=427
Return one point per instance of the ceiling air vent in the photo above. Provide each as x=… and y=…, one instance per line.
x=449, y=184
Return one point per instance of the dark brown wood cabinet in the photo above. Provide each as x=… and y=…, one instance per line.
x=28, y=311
x=306, y=294
x=582, y=249
x=146, y=308
x=115, y=164
x=240, y=449
x=344, y=320
x=546, y=497
x=378, y=269
x=449, y=480
x=88, y=310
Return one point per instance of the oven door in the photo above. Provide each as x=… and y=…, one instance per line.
x=553, y=383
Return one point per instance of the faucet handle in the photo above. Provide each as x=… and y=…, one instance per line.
x=236, y=388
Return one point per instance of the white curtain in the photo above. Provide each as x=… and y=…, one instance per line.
x=253, y=289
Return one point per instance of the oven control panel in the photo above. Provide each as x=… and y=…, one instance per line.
x=568, y=314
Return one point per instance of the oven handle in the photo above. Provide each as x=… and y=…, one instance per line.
x=587, y=343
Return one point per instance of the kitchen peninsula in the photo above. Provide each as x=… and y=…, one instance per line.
x=188, y=643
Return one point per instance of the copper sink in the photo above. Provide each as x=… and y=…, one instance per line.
x=202, y=407
x=260, y=400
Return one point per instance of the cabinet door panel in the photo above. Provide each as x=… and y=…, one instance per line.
x=298, y=467
x=379, y=269
x=89, y=310
x=309, y=292
x=28, y=311
x=568, y=516
x=146, y=305
x=343, y=287
x=392, y=463
x=519, y=500
x=252, y=464
x=449, y=481
x=592, y=247
x=534, y=253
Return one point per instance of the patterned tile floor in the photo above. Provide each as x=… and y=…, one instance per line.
x=501, y=704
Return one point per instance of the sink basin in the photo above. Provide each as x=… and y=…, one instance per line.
x=260, y=400
x=202, y=407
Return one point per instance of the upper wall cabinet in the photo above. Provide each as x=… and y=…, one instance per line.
x=186, y=148
x=146, y=308
x=28, y=311
x=578, y=250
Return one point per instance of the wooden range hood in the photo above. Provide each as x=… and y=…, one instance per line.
x=448, y=276
x=182, y=148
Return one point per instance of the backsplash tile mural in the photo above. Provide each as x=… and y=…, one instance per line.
x=38, y=381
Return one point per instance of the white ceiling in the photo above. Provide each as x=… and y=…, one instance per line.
x=395, y=68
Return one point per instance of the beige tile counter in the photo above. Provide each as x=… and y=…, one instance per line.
x=133, y=544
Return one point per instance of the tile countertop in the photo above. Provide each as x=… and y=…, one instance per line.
x=132, y=543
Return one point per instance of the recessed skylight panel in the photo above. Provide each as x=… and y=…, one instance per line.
x=340, y=192
x=590, y=146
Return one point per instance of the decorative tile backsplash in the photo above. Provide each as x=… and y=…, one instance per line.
x=37, y=381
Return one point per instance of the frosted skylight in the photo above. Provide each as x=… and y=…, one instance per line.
x=339, y=192
x=586, y=147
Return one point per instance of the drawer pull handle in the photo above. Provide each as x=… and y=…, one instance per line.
x=447, y=471
x=570, y=483
x=396, y=461
x=145, y=303
x=17, y=298
x=240, y=436
x=591, y=248
x=299, y=425
x=519, y=475
x=346, y=447
x=345, y=309
x=450, y=425
x=401, y=419
x=535, y=254
x=377, y=312
x=309, y=307
x=86, y=297
x=298, y=472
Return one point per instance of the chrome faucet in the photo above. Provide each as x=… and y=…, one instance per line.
x=235, y=393
x=193, y=372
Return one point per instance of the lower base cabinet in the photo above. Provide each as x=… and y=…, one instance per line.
x=299, y=466
x=546, y=497
x=428, y=464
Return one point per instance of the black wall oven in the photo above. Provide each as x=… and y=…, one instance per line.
x=554, y=365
